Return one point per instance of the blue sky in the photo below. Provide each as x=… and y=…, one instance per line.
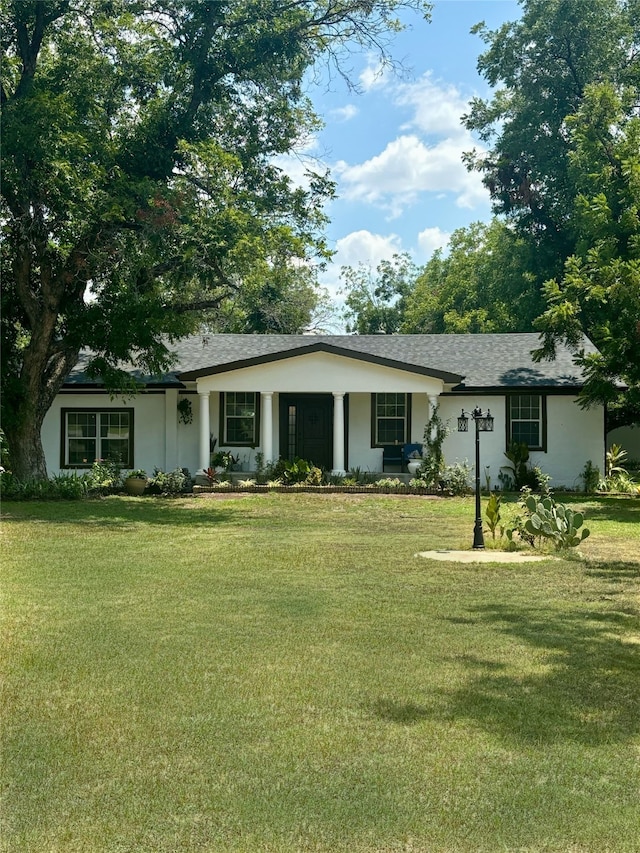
x=395, y=147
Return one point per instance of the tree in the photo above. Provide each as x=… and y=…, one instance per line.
x=599, y=290
x=139, y=187
x=486, y=282
x=563, y=168
x=374, y=302
x=541, y=66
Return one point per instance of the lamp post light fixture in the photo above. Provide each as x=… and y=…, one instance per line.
x=484, y=423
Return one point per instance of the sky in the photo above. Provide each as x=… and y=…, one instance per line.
x=395, y=147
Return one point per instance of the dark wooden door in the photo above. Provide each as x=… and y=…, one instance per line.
x=315, y=431
x=306, y=428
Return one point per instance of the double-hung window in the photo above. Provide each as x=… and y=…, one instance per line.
x=90, y=434
x=527, y=421
x=390, y=421
x=239, y=418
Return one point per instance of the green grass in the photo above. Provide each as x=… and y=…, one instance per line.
x=281, y=673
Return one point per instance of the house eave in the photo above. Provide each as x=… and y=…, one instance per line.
x=323, y=347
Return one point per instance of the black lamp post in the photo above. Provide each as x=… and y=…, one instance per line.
x=484, y=423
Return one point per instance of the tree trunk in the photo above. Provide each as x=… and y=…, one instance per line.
x=41, y=378
x=26, y=454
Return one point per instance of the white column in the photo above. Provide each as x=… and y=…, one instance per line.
x=266, y=425
x=338, y=433
x=433, y=403
x=170, y=429
x=205, y=431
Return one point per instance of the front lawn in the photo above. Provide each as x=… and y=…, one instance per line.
x=281, y=673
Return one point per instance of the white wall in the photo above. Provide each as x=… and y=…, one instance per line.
x=155, y=444
x=573, y=435
x=627, y=437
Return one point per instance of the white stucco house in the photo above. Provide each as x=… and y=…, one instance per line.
x=336, y=400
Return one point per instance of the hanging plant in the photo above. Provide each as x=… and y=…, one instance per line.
x=185, y=410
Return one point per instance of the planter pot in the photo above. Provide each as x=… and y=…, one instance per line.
x=413, y=465
x=135, y=485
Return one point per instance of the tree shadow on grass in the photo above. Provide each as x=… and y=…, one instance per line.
x=114, y=512
x=586, y=688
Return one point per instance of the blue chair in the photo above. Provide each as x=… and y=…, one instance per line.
x=392, y=455
x=408, y=451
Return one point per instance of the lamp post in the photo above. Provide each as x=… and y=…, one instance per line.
x=484, y=423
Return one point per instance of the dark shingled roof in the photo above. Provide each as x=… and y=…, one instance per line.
x=468, y=362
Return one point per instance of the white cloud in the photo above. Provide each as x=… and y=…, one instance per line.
x=376, y=75
x=358, y=247
x=407, y=167
x=431, y=239
x=345, y=113
x=437, y=106
x=363, y=247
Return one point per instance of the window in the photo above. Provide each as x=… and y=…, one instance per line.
x=239, y=416
x=90, y=434
x=390, y=422
x=527, y=420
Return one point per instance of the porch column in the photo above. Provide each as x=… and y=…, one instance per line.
x=433, y=403
x=171, y=429
x=338, y=433
x=205, y=431
x=266, y=425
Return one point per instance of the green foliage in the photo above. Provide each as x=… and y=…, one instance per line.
x=519, y=473
x=105, y=477
x=374, y=301
x=168, y=483
x=556, y=522
x=617, y=478
x=433, y=465
x=70, y=487
x=224, y=459
x=590, y=477
x=492, y=512
x=185, y=410
x=140, y=163
x=454, y=479
x=542, y=518
x=486, y=282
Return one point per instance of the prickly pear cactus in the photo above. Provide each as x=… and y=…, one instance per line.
x=556, y=522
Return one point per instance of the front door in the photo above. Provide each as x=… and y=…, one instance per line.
x=306, y=428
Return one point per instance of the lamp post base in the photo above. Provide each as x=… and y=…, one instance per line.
x=478, y=536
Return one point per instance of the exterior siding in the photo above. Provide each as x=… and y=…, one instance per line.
x=574, y=435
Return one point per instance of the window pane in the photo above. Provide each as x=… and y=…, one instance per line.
x=82, y=452
x=526, y=432
x=81, y=424
x=241, y=404
x=98, y=435
x=391, y=430
x=115, y=449
x=240, y=430
x=114, y=425
x=390, y=405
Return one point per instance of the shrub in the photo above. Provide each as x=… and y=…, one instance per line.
x=104, y=477
x=590, y=477
x=168, y=482
x=492, y=512
x=70, y=487
x=455, y=478
x=60, y=487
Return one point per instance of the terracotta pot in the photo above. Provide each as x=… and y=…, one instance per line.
x=135, y=485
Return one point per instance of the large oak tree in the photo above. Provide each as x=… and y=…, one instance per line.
x=139, y=185
x=562, y=167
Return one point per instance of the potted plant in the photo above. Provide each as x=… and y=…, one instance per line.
x=136, y=482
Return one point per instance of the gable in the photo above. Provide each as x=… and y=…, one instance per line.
x=319, y=371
